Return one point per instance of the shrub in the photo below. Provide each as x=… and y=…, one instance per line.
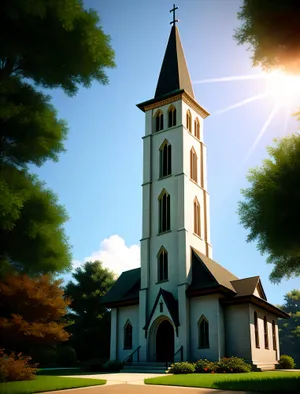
x=286, y=362
x=66, y=357
x=182, y=368
x=16, y=367
x=113, y=366
x=232, y=365
x=94, y=365
x=202, y=365
x=44, y=356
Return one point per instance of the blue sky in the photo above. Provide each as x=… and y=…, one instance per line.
x=99, y=178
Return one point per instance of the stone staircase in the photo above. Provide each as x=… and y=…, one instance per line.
x=145, y=367
x=271, y=366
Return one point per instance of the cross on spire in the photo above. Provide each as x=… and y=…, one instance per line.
x=174, y=20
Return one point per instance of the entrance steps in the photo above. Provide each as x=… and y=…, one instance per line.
x=271, y=366
x=145, y=367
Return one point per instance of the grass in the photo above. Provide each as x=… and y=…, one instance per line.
x=264, y=382
x=47, y=383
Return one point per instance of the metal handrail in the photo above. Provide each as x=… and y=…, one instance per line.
x=130, y=357
x=175, y=354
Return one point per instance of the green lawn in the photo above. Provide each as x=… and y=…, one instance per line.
x=267, y=382
x=46, y=383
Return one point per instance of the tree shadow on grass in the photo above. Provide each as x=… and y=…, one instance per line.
x=289, y=384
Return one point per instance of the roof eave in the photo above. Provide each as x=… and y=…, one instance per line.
x=182, y=94
x=252, y=299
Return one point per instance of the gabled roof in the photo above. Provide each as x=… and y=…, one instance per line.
x=248, y=286
x=125, y=290
x=171, y=304
x=174, y=73
x=208, y=274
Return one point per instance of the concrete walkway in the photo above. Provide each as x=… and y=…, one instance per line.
x=133, y=383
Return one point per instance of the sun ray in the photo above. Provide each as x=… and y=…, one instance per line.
x=263, y=130
x=287, y=118
x=241, y=103
x=234, y=78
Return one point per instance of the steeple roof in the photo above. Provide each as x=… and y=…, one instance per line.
x=174, y=73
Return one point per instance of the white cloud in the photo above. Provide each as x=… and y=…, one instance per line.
x=115, y=255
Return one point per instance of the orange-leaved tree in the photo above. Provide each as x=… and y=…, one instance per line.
x=32, y=311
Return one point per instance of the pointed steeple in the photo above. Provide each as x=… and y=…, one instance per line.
x=174, y=73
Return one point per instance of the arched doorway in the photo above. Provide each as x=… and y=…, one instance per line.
x=165, y=341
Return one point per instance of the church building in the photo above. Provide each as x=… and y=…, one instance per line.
x=181, y=304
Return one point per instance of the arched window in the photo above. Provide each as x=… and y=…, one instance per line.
x=162, y=265
x=197, y=224
x=274, y=335
x=172, y=116
x=159, y=120
x=197, y=128
x=128, y=335
x=165, y=159
x=203, y=328
x=189, y=120
x=256, y=330
x=164, y=212
x=193, y=165
x=266, y=333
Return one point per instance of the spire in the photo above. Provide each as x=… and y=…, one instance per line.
x=174, y=73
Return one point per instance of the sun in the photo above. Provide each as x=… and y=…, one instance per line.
x=282, y=87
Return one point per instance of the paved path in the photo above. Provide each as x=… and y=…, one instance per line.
x=133, y=383
x=139, y=389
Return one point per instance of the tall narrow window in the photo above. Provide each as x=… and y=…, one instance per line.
x=164, y=212
x=274, y=335
x=256, y=330
x=189, y=121
x=159, y=120
x=128, y=335
x=203, y=328
x=197, y=228
x=172, y=116
x=266, y=333
x=162, y=272
x=193, y=165
x=197, y=128
x=165, y=164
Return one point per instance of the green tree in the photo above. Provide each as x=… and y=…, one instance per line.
x=272, y=30
x=289, y=330
x=48, y=44
x=270, y=210
x=55, y=43
x=91, y=328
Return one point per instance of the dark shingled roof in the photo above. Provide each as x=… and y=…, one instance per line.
x=125, y=290
x=174, y=73
x=247, y=286
x=206, y=274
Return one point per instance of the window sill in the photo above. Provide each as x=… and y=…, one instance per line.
x=164, y=177
x=162, y=281
x=198, y=236
x=203, y=347
x=164, y=232
x=195, y=182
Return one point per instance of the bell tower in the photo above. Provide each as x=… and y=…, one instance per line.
x=175, y=214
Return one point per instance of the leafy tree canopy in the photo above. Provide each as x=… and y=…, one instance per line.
x=31, y=221
x=31, y=311
x=91, y=282
x=48, y=44
x=55, y=43
x=270, y=210
x=289, y=330
x=272, y=30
